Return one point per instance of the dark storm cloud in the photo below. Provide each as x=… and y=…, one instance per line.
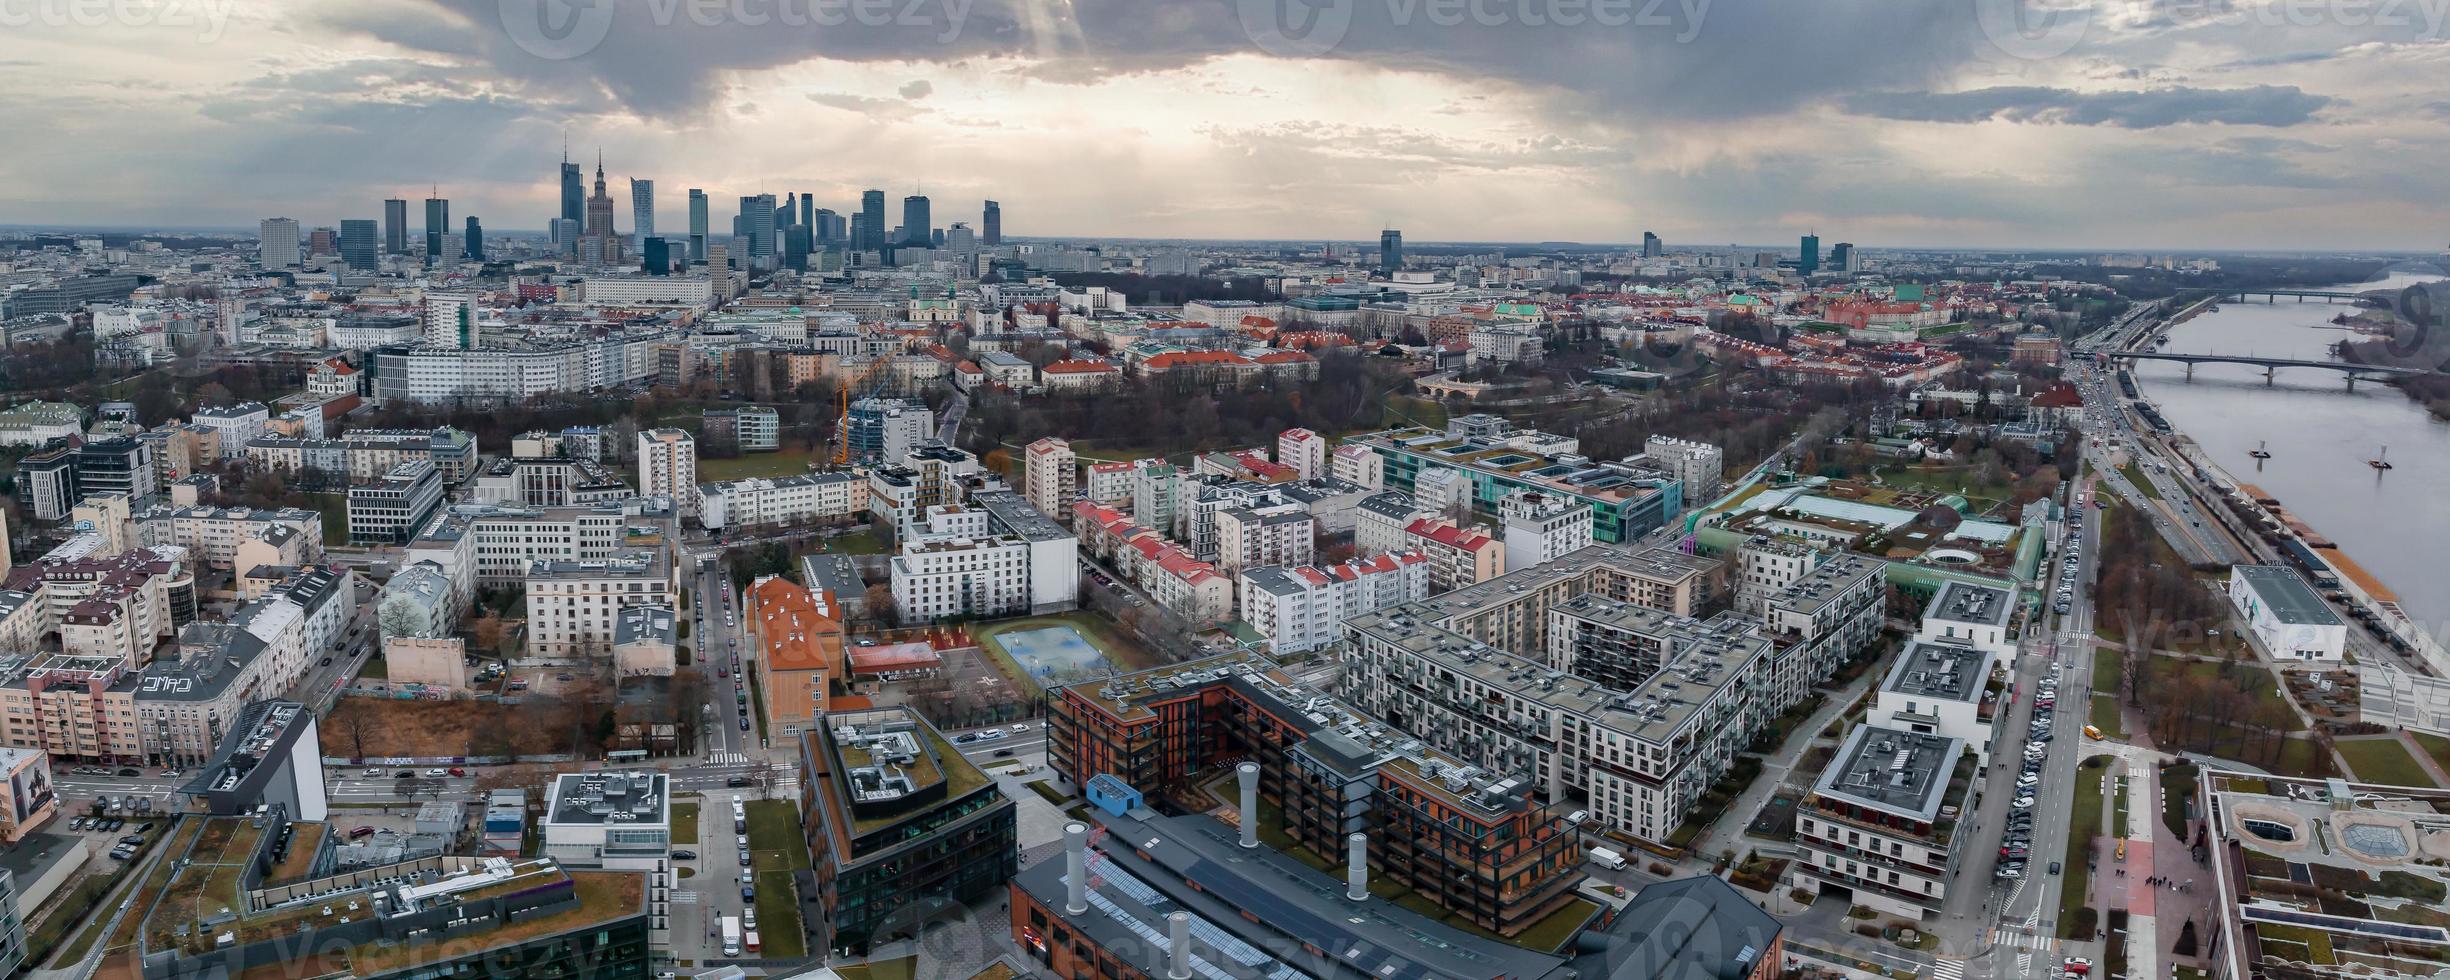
x=2261, y=105
x=1604, y=58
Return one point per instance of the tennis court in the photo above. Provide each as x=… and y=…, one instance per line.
x=1054, y=656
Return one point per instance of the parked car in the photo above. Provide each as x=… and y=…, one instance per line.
x=684, y=855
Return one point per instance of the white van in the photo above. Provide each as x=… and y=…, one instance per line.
x=1607, y=859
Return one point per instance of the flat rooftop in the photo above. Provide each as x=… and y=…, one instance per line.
x=2285, y=593
x=1662, y=565
x=1965, y=602
x=1016, y=517
x=609, y=797
x=1939, y=671
x=1826, y=583
x=1899, y=772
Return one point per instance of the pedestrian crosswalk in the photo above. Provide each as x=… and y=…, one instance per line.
x=1947, y=969
x=682, y=896
x=727, y=759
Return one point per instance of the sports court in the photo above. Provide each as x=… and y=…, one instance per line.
x=1053, y=656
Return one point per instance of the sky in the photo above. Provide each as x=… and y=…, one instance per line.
x=2151, y=124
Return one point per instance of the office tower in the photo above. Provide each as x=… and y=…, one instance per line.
x=935, y=238
x=573, y=189
x=1842, y=257
x=565, y=236
x=959, y=238
x=395, y=226
x=697, y=224
x=826, y=227
x=1390, y=251
x=790, y=213
x=797, y=244
x=323, y=241
x=279, y=248
x=475, y=252
x=450, y=321
x=357, y=242
x=872, y=210
x=859, y=232
x=437, y=227
x=757, y=225
x=808, y=214
x=656, y=256
x=719, y=270
x=991, y=225
x=642, y=208
x=1809, y=260
x=1652, y=247
x=915, y=221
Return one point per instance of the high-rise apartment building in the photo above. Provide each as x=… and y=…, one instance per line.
x=395, y=226
x=1053, y=475
x=450, y=321
x=668, y=467
x=1542, y=527
x=278, y=248
x=437, y=227
x=357, y=242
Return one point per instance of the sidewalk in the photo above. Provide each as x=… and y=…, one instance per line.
x=1728, y=832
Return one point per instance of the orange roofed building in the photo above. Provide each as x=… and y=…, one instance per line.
x=797, y=636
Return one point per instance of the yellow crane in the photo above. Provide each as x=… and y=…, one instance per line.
x=842, y=420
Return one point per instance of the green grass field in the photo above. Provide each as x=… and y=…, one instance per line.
x=2084, y=816
x=742, y=467
x=776, y=849
x=2435, y=746
x=2105, y=716
x=2135, y=475
x=2383, y=760
x=685, y=824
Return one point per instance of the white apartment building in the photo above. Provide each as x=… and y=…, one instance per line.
x=943, y=572
x=1302, y=608
x=391, y=510
x=450, y=321
x=1256, y=537
x=36, y=423
x=815, y=497
x=1107, y=483
x=477, y=544
x=1051, y=475
x=1881, y=822
x=574, y=607
x=1764, y=566
x=1700, y=465
x=1542, y=527
x=668, y=467
x=1938, y=688
x=234, y=538
x=1976, y=615
x=647, y=290
x=440, y=374
x=1379, y=522
x=1358, y=464
x=1303, y=450
x=238, y=424
x=2286, y=615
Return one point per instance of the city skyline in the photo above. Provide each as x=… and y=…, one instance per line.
x=1916, y=124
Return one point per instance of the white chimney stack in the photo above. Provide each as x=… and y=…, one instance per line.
x=1249, y=773
x=1178, y=929
x=1075, y=868
x=1357, y=867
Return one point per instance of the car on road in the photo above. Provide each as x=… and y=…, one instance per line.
x=1018, y=729
x=748, y=893
x=2079, y=965
x=736, y=781
x=402, y=774
x=130, y=772
x=374, y=773
x=684, y=855
x=2054, y=867
x=1003, y=753
x=744, y=724
x=435, y=774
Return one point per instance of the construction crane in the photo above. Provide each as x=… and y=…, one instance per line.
x=842, y=420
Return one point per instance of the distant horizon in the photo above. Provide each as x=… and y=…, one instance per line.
x=417, y=231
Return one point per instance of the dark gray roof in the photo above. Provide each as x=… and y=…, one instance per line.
x=1945, y=671
x=1394, y=504
x=1009, y=513
x=1965, y=602
x=1900, y=772
x=2285, y=593
x=211, y=657
x=835, y=573
x=1697, y=928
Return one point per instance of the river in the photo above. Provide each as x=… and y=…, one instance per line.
x=2393, y=523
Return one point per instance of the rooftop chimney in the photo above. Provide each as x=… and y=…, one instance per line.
x=1357, y=866
x=1178, y=929
x=1075, y=868
x=1249, y=773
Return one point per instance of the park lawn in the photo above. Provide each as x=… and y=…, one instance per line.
x=2135, y=475
x=2435, y=746
x=2177, y=789
x=2109, y=669
x=2297, y=758
x=2084, y=815
x=747, y=465
x=685, y=823
x=780, y=934
x=2105, y=716
x=866, y=542
x=775, y=843
x=335, y=510
x=2383, y=760
x=1945, y=480
x=2210, y=669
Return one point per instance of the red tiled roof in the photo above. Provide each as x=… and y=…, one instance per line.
x=1079, y=367
x=1447, y=534
x=1169, y=361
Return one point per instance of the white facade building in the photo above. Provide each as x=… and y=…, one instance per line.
x=2285, y=614
x=787, y=500
x=1301, y=608
x=1542, y=526
x=1303, y=450
x=668, y=467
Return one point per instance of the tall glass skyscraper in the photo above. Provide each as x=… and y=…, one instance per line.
x=395, y=226
x=475, y=251
x=642, y=208
x=437, y=227
x=1808, y=256
x=917, y=221
x=357, y=241
x=697, y=224
x=872, y=216
x=757, y=224
x=1390, y=251
x=991, y=225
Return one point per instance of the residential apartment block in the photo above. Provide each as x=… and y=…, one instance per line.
x=1628, y=499
x=1882, y=823
x=573, y=606
x=668, y=467
x=814, y=498
x=1301, y=608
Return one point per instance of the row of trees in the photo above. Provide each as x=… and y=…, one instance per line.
x=1180, y=413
